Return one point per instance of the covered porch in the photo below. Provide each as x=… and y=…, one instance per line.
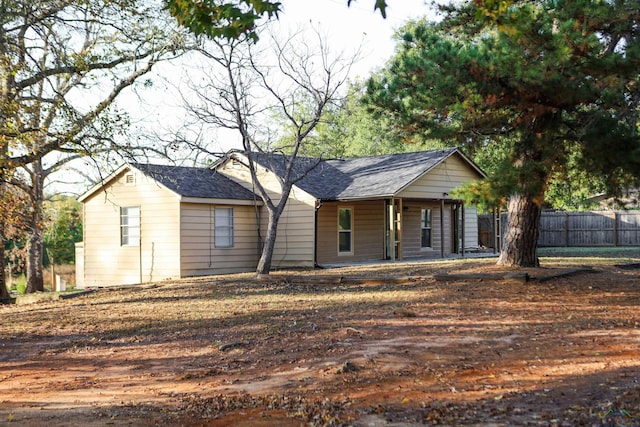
x=392, y=229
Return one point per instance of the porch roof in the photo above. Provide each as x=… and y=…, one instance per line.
x=362, y=177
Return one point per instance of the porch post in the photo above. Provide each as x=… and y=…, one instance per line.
x=398, y=218
x=441, y=228
x=462, y=219
x=391, y=230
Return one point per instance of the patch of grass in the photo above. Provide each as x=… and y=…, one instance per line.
x=626, y=252
x=20, y=285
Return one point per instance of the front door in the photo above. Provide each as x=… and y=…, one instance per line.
x=457, y=228
x=392, y=226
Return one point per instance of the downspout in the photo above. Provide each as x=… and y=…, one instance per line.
x=140, y=246
x=318, y=205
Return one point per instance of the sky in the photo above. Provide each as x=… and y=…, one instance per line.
x=346, y=29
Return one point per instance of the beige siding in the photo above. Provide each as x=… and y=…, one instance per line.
x=295, y=237
x=411, y=224
x=442, y=179
x=471, y=240
x=197, y=245
x=368, y=232
x=106, y=261
x=450, y=174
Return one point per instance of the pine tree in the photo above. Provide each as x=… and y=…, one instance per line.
x=552, y=83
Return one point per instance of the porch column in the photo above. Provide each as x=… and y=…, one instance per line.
x=398, y=219
x=462, y=219
x=441, y=228
x=392, y=228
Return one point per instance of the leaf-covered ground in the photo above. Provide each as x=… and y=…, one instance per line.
x=234, y=351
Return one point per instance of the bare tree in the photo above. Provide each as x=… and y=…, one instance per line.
x=273, y=98
x=63, y=65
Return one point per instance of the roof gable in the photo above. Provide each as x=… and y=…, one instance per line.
x=184, y=181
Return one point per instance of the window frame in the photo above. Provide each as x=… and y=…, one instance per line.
x=218, y=228
x=345, y=231
x=126, y=237
x=426, y=223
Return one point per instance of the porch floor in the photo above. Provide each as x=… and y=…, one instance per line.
x=474, y=253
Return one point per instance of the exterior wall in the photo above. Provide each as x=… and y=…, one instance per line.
x=448, y=175
x=445, y=177
x=79, y=253
x=106, y=261
x=411, y=234
x=295, y=238
x=368, y=231
x=197, y=245
x=471, y=237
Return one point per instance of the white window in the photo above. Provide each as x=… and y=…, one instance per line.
x=345, y=230
x=130, y=226
x=425, y=228
x=223, y=223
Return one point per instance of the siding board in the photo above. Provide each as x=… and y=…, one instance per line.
x=198, y=252
x=295, y=237
x=106, y=261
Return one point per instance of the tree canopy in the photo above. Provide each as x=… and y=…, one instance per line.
x=231, y=19
x=63, y=64
x=551, y=84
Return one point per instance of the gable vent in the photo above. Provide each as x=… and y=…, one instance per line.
x=130, y=179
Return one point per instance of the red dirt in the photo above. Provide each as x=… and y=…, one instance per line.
x=213, y=352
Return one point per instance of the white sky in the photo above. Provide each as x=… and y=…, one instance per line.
x=347, y=28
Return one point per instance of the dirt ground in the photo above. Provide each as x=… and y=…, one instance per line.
x=231, y=350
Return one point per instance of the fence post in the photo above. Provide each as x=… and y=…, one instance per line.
x=566, y=229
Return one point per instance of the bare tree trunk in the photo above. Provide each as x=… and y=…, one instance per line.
x=4, y=292
x=264, y=264
x=35, y=276
x=521, y=238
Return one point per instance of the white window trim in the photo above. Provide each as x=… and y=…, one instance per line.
x=426, y=248
x=128, y=227
x=230, y=226
x=351, y=231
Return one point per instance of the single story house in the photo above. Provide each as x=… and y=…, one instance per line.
x=148, y=222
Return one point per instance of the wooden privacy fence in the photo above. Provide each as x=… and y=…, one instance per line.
x=594, y=228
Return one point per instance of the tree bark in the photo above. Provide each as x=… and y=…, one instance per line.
x=4, y=292
x=521, y=237
x=264, y=263
x=35, y=276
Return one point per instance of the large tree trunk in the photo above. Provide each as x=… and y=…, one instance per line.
x=4, y=292
x=521, y=238
x=35, y=276
x=264, y=264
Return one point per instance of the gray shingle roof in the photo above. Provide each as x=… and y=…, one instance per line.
x=195, y=182
x=363, y=177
